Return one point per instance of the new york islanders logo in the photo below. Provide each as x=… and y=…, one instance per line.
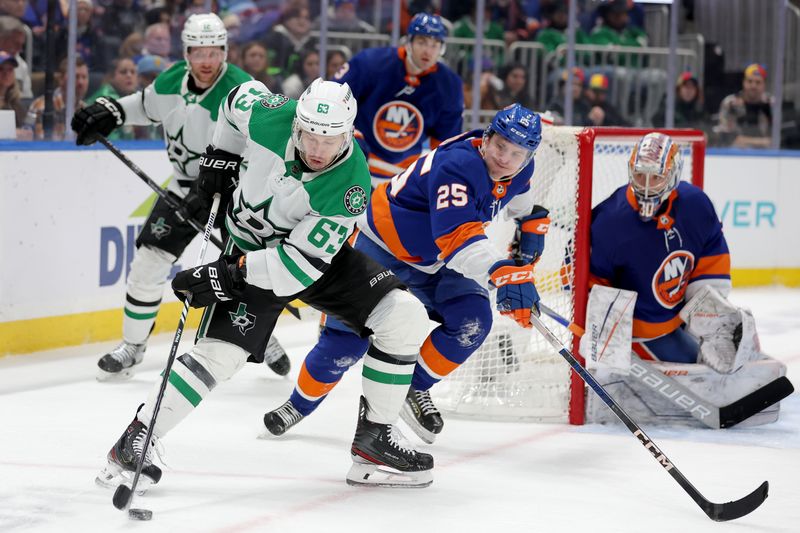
x=672, y=277
x=398, y=126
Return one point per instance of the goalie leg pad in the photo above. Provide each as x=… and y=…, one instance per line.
x=145, y=287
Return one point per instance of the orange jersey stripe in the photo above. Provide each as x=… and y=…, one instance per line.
x=384, y=223
x=450, y=242
x=713, y=265
x=434, y=360
x=651, y=330
x=310, y=386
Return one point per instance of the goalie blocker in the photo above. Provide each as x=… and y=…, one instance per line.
x=730, y=381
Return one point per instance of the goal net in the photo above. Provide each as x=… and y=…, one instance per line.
x=516, y=374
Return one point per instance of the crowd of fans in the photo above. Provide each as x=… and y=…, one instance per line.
x=274, y=41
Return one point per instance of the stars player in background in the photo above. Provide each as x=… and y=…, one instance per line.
x=405, y=97
x=185, y=99
x=289, y=219
x=426, y=225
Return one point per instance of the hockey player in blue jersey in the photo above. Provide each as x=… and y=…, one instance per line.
x=660, y=238
x=405, y=97
x=426, y=225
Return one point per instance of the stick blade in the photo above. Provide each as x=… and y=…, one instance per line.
x=722, y=512
x=755, y=402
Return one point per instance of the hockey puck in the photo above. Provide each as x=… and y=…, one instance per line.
x=140, y=514
x=121, y=497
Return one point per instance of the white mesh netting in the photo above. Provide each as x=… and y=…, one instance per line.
x=516, y=375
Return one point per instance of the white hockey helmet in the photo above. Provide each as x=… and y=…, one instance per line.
x=654, y=170
x=204, y=29
x=325, y=108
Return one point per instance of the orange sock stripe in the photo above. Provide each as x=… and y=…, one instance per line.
x=311, y=387
x=435, y=360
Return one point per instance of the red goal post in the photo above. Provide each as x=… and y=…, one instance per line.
x=515, y=375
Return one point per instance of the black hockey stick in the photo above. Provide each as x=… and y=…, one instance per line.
x=720, y=512
x=123, y=496
x=171, y=202
x=712, y=416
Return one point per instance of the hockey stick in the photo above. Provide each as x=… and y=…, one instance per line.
x=171, y=202
x=712, y=416
x=123, y=496
x=719, y=512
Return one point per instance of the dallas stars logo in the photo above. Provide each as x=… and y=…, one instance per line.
x=178, y=153
x=242, y=319
x=160, y=228
x=355, y=200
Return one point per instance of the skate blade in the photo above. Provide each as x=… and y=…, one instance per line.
x=110, y=377
x=372, y=475
x=112, y=476
x=408, y=417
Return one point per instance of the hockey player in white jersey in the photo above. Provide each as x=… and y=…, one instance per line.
x=289, y=219
x=185, y=101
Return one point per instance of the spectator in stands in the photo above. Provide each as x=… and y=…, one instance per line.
x=635, y=14
x=13, y=8
x=465, y=27
x=580, y=105
x=489, y=85
x=553, y=32
x=122, y=18
x=515, y=87
x=157, y=41
x=336, y=59
x=33, y=120
x=12, y=40
x=132, y=46
x=345, y=19
x=601, y=111
x=746, y=116
x=288, y=39
x=617, y=30
x=306, y=71
x=689, y=105
x=10, y=97
x=120, y=81
x=255, y=61
x=510, y=15
x=149, y=67
x=90, y=44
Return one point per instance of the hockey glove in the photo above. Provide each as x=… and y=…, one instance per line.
x=219, y=173
x=220, y=281
x=192, y=207
x=528, y=244
x=516, y=293
x=101, y=117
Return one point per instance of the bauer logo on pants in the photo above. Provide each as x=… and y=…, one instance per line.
x=242, y=319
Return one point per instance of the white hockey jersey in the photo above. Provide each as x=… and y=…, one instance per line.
x=187, y=118
x=290, y=220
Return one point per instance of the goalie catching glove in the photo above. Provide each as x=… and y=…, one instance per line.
x=99, y=118
x=516, y=293
x=528, y=244
x=220, y=281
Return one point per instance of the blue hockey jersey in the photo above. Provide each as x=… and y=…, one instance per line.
x=441, y=203
x=659, y=258
x=397, y=112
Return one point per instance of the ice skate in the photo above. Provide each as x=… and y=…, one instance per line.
x=382, y=458
x=119, y=363
x=124, y=457
x=282, y=419
x=276, y=358
x=421, y=415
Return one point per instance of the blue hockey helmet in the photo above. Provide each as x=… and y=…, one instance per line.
x=518, y=125
x=427, y=25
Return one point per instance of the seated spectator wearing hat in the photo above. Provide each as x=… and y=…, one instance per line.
x=345, y=19
x=553, y=32
x=617, y=30
x=33, y=120
x=746, y=116
x=689, y=105
x=601, y=111
x=580, y=105
x=10, y=97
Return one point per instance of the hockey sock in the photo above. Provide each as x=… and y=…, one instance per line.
x=189, y=382
x=385, y=379
x=335, y=352
x=145, y=287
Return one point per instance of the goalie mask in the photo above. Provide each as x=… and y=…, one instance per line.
x=654, y=170
x=326, y=110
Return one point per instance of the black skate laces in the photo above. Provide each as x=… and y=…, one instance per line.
x=425, y=403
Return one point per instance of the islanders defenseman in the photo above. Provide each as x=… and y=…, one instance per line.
x=660, y=238
x=405, y=97
x=427, y=226
x=185, y=100
x=289, y=219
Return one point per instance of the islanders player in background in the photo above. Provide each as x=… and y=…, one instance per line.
x=426, y=226
x=405, y=97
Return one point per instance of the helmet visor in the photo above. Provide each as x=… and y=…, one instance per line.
x=206, y=53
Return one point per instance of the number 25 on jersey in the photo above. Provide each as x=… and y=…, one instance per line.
x=454, y=194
